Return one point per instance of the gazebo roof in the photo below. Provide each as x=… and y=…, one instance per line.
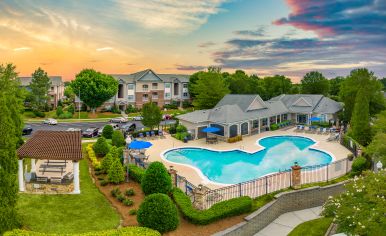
x=53, y=145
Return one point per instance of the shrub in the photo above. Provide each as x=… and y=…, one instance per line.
x=156, y=179
x=39, y=114
x=181, y=129
x=121, y=197
x=359, y=164
x=100, y=178
x=130, y=192
x=232, y=207
x=106, y=162
x=101, y=148
x=158, y=212
x=115, y=192
x=71, y=109
x=131, y=109
x=117, y=139
x=104, y=182
x=59, y=111
x=350, y=157
x=274, y=127
x=91, y=155
x=115, y=110
x=127, y=231
x=133, y=212
x=65, y=115
x=107, y=132
x=181, y=136
x=136, y=173
x=128, y=202
x=235, y=139
x=116, y=173
x=172, y=129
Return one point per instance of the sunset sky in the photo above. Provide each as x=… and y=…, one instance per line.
x=263, y=37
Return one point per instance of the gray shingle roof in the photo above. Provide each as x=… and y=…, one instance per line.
x=131, y=78
x=243, y=101
x=55, y=80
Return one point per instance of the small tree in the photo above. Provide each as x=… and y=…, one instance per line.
x=117, y=139
x=101, y=148
x=156, y=179
x=107, y=132
x=116, y=172
x=71, y=109
x=315, y=83
x=151, y=114
x=114, y=152
x=158, y=212
x=59, y=111
x=40, y=85
x=106, y=162
x=360, y=120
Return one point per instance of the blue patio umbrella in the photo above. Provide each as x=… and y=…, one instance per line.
x=210, y=130
x=315, y=119
x=139, y=144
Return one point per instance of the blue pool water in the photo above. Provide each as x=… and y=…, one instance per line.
x=230, y=167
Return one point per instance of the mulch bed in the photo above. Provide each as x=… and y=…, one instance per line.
x=185, y=228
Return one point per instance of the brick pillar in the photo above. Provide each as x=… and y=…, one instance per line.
x=173, y=175
x=126, y=157
x=199, y=197
x=296, y=176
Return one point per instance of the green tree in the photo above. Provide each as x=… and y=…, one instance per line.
x=210, y=89
x=360, y=210
x=295, y=89
x=379, y=125
x=101, y=148
x=158, y=212
x=156, y=179
x=116, y=173
x=315, y=83
x=40, y=86
x=360, y=78
x=360, y=120
x=11, y=100
x=241, y=83
x=117, y=139
x=383, y=81
x=151, y=115
x=377, y=148
x=95, y=87
x=59, y=111
x=107, y=132
x=69, y=93
x=106, y=162
x=335, y=85
x=276, y=85
x=192, y=81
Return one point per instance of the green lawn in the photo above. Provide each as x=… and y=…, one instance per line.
x=317, y=227
x=88, y=211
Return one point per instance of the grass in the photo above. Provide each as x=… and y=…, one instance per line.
x=88, y=211
x=317, y=227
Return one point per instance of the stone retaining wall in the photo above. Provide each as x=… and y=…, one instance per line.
x=284, y=202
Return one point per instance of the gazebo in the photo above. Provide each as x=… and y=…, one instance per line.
x=53, y=151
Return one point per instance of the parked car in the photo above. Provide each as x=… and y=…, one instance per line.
x=119, y=120
x=115, y=127
x=74, y=129
x=166, y=117
x=137, y=118
x=27, y=130
x=90, y=132
x=50, y=121
x=129, y=128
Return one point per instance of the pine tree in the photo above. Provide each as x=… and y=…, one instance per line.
x=116, y=172
x=360, y=120
x=106, y=162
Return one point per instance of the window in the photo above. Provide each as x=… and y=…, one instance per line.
x=154, y=95
x=167, y=95
x=185, y=94
x=145, y=97
x=255, y=124
x=130, y=86
x=167, y=85
x=285, y=117
x=221, y=131
x=244, y=128
x=120, y=91
x=130, y=97
x=185, y=85
x=272, y=120
x=175, y=89
x=154, y=86
x=264, y=122
x=52, y=88
x=233, y=131
x=145, y=87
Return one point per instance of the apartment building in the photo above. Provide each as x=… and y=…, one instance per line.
x=56, y=91
x=139, y=88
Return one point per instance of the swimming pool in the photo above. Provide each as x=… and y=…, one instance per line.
x=231, y=167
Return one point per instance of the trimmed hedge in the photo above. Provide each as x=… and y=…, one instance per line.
x=136, y=173
x=127, y=231
x=156, y=179
x=232, y=207
x=91, y=155
x=101, y=148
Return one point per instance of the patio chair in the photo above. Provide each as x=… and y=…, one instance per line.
x=325, y=131
x=334, y=137
x=152, y=133
x=320, y=130
x=298, y=127
x=160, y=133
x=55, y=180
x=140, y=135
x=147, y=134
x=42, y=179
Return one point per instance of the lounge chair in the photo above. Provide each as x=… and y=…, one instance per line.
x=147, y=134
x=325, y=131
x=334, y=137
x=297, y=128
x=141, y=135
x=152, y=133
x=160, y=133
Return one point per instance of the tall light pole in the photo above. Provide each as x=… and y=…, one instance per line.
x=79, y=105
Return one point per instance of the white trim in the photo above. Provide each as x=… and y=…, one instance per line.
x=76, y=177
x=21, y=175
x=206, y=180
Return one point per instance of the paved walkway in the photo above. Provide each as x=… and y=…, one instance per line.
x=285, y=223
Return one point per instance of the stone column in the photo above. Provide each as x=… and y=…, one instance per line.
x=76, y=177
x=33, y=166
x=173, y=175
x=21, y=176
x=296, y=176
x=259, y=125
x=199, y=197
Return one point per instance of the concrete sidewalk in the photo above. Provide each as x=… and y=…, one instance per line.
x=285, y=223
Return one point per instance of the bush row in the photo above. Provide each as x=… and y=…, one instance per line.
x=235, y=139
x=136, y=173
x=91, y=155
x=127, y=231
x=232, y=207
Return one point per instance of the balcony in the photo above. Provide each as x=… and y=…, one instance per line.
x=154, y=97
x=145, y=99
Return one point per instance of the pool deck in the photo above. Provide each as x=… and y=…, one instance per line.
x=248, y=144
